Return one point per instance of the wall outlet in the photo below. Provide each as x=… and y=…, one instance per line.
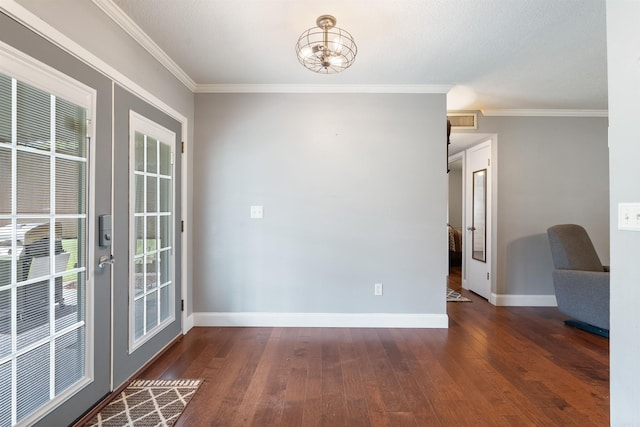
x=377, y=289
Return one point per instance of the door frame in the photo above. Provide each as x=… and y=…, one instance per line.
x=492, y=140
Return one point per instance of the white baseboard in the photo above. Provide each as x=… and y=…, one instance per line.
x=187, y=323
x=327, y=320
x=507, y=300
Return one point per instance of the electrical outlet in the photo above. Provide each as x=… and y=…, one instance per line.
x=377, y=289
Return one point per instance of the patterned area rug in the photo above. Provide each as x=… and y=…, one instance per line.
x=147, y=403
x=453, y=296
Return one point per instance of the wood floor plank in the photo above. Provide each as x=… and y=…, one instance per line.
x=355, y=397
x=294, y=397
x=334, y=410
x=312, y=410
x=494, y=366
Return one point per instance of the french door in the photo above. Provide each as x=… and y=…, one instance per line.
x=146, y=234
x=50, y=350
x=73, y=328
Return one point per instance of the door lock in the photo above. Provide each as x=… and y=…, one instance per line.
x=104, y=230
x=104, y=260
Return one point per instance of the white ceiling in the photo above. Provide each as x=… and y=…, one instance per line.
x=495, y=54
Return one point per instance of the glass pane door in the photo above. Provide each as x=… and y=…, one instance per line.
x=152, y=218
x=43, y=244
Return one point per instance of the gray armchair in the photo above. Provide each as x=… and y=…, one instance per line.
x=581, y=281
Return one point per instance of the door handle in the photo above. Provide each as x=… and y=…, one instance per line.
x=471, y=228
x=104, y=260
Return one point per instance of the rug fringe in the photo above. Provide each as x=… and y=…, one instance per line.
x=165, y=383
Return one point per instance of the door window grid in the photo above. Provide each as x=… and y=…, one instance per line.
x=151, y=282
x=42, y=323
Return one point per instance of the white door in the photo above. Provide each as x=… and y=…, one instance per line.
x=478, y=219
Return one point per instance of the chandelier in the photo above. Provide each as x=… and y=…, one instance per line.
x=326, y=49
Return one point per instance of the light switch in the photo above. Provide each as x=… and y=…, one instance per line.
x=629, y=216
x=256, y=212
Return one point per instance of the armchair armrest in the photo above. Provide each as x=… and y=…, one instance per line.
x=583, y=295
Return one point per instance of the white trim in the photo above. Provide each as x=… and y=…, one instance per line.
x=545, y=113
x=509, y=300
x=38, y=74
x=112, y=213
x=139, y=123
x=131, y=28
x=319, y=88
x=325, y=320
x=188, y=324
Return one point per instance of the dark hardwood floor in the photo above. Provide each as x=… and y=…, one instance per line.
x=494, y=366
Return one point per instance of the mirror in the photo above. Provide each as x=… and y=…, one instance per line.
x=479, y=209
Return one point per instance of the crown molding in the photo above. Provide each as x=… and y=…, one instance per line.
x=131, y=28
x=545, y=113
x=319, y=88
x=16, y=11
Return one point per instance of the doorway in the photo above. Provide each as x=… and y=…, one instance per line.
x=455, y=220
x=471, y=213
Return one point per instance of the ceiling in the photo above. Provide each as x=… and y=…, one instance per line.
x=491, y=54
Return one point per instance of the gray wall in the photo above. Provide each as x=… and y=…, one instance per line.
x=551, y=170
x=354, y=192
x=623, y=34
